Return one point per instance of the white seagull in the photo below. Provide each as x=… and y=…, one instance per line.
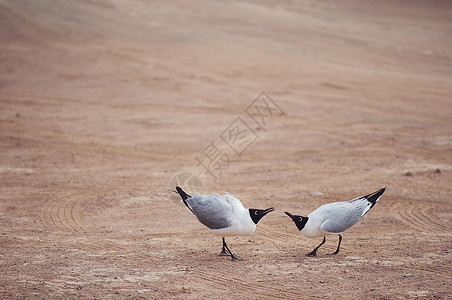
x=335, y=218
x=223, y=215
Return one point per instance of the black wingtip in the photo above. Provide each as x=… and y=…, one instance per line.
x=181, y=192
x=184, y=197
x=373, y=197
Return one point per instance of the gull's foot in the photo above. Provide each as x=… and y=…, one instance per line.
x=235, y=258
x=312, y=253
x=334, y=253
x=223, y=253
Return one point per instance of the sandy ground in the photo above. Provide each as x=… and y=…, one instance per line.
x=102, y=103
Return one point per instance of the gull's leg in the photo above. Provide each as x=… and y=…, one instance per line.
x=233, y=257
x=314, y=252
x=223, y=251
x=338, y=246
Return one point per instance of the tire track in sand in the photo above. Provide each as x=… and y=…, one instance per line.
x=65, y=212
x=420, y=216
x=263, y=290
x=444, y=270
x=279, y=237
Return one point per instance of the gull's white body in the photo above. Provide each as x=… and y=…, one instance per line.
x=224, y=215
x=335, y=218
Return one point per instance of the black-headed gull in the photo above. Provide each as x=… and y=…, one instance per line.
x=335, y=218
x=224, y=215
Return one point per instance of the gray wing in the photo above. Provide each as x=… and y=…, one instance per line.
x=211, y=210
x=339, y=217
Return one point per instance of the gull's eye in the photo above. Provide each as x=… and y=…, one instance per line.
x=255, y=212
x=301, y=219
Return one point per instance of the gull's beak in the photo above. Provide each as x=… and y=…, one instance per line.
x=268, y=210
x=289, y=214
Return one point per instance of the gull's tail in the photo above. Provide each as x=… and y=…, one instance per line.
x=372, y=198
x=184, y=197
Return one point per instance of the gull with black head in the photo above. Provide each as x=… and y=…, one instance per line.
x=224, y=215
x=334, y=218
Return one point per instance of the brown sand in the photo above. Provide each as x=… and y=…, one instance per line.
x=102, y=103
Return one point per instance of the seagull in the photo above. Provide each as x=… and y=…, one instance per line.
x=224, y=215
x=335, y=218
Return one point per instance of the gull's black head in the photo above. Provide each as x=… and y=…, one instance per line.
x=257, y=214
x=298, y=220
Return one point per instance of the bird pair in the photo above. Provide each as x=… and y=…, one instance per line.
x=225, y=216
